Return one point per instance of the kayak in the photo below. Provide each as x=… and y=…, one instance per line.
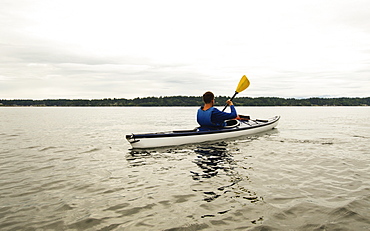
x=237, y=127
x=234, y=128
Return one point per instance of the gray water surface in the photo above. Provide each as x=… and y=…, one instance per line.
x=72, y=169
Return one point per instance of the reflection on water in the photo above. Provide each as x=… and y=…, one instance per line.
x=211, y=159
x=219, y=180
x=138, y=158
x=230, y=184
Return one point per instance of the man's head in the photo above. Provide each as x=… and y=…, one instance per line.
x=208, y=97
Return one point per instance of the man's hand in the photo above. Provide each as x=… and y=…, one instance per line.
x=229, y=102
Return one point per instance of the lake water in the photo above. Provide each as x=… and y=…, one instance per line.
x=72, y=169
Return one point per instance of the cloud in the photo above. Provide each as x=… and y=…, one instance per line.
x=120, y=49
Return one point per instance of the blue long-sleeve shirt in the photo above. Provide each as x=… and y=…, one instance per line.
x=214, y=117
x=220, y=116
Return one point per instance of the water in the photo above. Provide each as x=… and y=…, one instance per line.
x=72, y=169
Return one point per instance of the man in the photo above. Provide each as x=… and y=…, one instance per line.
x=210, y=117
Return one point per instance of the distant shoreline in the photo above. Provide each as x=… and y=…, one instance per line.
x=176, y=101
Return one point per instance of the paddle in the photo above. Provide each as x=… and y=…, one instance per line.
x=243, y=84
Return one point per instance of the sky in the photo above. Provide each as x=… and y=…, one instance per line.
x=83, y=49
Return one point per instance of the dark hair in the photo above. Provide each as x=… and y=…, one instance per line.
x=208, y=97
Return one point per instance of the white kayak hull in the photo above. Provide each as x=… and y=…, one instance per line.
x=174, y=138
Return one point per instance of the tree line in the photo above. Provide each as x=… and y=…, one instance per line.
x=187, y=101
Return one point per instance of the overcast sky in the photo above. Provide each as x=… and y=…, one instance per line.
x=83, y=49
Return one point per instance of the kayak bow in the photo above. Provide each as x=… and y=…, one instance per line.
x=171, y=138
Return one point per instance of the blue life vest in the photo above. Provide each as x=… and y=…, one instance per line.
x=204, y=118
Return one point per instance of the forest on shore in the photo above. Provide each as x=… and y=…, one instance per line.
x=168, y=101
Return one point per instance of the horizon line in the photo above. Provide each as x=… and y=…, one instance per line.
x=114, y=98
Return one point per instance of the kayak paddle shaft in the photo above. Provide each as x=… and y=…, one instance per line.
x=230, y=100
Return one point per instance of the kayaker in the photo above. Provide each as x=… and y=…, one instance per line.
x=210, y=117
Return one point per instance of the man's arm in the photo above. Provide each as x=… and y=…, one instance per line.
x=219, y=116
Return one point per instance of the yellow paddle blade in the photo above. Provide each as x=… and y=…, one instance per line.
x=243, y=84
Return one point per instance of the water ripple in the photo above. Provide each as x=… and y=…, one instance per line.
x=74, y=171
